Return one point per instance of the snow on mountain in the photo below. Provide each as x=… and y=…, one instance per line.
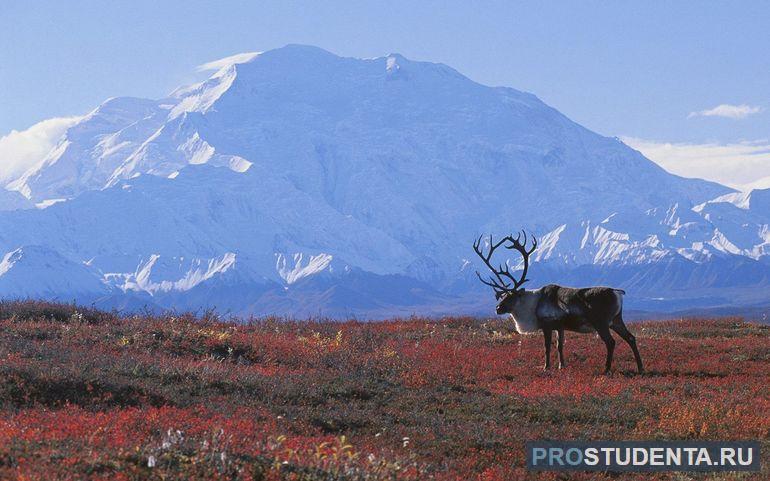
x=741, y=223
x=90, y=151
x=296, y=181
x=292, y=273
x=152, y=276
x=38, y=272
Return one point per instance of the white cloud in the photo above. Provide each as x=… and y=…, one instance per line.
x=742, y=165
x=227, y=61
x=728, y=111
x=20, y=150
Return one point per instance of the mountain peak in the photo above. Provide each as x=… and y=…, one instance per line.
x=297, y=54
x=301, y=49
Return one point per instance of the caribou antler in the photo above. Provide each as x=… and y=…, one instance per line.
x=525, y=253
x=500, y=285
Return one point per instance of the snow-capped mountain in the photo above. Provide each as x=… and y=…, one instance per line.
x=298, y=182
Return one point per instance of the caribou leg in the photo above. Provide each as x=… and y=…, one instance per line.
x=604, y=333
x=620, y=327
x=561, y=348
x=547, y=337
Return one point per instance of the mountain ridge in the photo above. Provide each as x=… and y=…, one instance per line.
x=303, y=165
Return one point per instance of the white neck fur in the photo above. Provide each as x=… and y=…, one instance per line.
x=524, y=312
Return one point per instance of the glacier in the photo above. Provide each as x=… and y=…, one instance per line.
x=296, y=182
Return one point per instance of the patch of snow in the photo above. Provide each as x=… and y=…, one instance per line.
x=9, y=260
x=740, y=200
x=721, y=243
x=391, y=64
x=294, y=270
x=199, y=270
x=197, y=151
x=609, y=218
x=226, y=62
x=202, y=98
x=48, y=203
x=239, y=164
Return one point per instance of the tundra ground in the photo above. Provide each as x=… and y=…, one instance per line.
x=91, y=395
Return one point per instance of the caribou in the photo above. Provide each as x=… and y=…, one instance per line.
x=553, y=307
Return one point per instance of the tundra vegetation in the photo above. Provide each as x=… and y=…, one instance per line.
x=93, y=395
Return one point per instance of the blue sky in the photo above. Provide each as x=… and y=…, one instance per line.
x=671, y=78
